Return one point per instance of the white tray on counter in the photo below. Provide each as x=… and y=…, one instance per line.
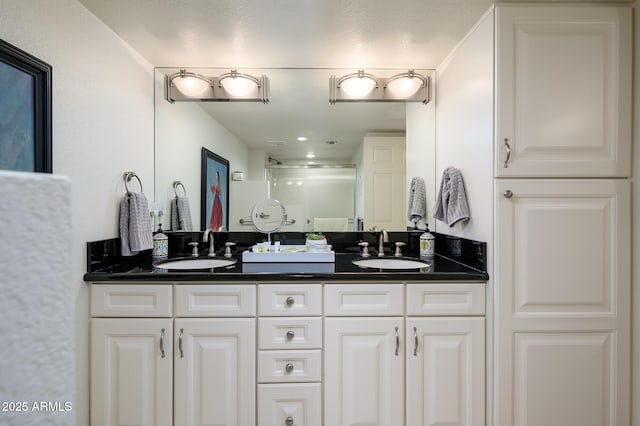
x=289, y=253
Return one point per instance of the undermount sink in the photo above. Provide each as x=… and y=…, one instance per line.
x=196, y=263
x=391, y=263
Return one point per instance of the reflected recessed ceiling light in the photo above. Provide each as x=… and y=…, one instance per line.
x=302, y=138
x=311, y=155
x=311, y=162
x=191, y=84
x=299, y=183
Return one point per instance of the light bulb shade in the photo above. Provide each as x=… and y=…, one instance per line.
x=237, y=84
x=190, y=84
x=405, y=87
x=357, y=85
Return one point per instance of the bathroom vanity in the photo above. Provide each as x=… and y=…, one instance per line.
x=306, y=347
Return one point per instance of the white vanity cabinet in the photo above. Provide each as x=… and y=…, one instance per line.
x=194, y=367
x=563, y=102
x=421, y=362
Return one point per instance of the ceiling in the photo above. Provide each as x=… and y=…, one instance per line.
x=350, y=34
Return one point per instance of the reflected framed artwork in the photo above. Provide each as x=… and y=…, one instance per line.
x=25, y=111
x=214, y=192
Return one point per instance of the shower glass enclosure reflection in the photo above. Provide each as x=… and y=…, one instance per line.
x=323, y=197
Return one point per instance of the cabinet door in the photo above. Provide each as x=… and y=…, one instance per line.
x=215, y=376
x=131, y=372
x=364, y=371
x=563, y=285
x=563, y=100
x=445, y=371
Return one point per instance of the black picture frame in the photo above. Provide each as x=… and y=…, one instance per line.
x=214, y=184
x=37, y=111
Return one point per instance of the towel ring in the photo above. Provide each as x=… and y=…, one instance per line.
x=176, y=184
x=127, y=178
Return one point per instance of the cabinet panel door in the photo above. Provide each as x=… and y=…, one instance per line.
x=563, y=99
x=445, y=371
x=131, y=372
x=215, y=376
x=364, y=371
x=564, y=288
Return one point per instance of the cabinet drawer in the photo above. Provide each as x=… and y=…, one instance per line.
x=446, y=299
x=215, y=300
x=298, y=404
x=289, y=366
x=364, y=299
x=288, y=299
x=289, y=333
x=124, y=300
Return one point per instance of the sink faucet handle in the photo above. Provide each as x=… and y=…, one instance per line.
x=365, y=248
x=398, y=250
x=194, y=250
x=227, y=250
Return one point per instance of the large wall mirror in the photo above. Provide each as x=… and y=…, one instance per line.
x=320, y=180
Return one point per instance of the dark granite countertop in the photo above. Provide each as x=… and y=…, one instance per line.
x=343, y=269
x=455, y=260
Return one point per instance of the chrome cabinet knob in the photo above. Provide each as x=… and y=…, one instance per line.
x=290, y=300
x=508, y=193
x=288, y=421
x=290, y=335
x=288, y=368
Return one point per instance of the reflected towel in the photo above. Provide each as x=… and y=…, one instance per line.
x=451, y=205
x=330, y=224
x=135, y=224
x=417, y=200
x=181, y=214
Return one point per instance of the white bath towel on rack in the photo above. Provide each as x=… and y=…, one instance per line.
x=451, y=205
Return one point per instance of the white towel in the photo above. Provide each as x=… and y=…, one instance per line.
x=181, y=214
x=451, y=206
x=136, y=233
x=330, y=224
x=417, y=200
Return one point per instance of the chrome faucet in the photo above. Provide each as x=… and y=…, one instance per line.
x=208, y=235
x=383, y=237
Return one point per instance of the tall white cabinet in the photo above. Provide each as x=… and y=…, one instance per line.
x=556, y=79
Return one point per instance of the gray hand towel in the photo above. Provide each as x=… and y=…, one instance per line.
x=417, y=200
x=181, y=214
x=136, y=233
x=451, y=205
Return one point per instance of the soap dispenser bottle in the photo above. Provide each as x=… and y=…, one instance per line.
x=160, y=245
x=427, y=244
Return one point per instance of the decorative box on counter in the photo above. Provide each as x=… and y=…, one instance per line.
x=287, y=253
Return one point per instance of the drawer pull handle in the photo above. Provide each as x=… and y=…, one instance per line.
x=288, y=421
x=180, y=343
x=397, y=341
x=415, y=341
x=162, y=343
x=290, y=301
x=288, y=368
x=508, y=148
x=290, y=335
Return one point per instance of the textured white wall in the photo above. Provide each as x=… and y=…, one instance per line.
x=36, y=324
x=102, y=127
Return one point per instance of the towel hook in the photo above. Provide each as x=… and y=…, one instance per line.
x=127, y=178
x=176, y=184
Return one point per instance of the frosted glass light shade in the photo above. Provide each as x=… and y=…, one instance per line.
x=357, y=85
x=191, y=86
x=405, y=86
x=239, y=86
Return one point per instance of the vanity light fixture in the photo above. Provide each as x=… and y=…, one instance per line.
x=408, y=86
x=232, y=86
